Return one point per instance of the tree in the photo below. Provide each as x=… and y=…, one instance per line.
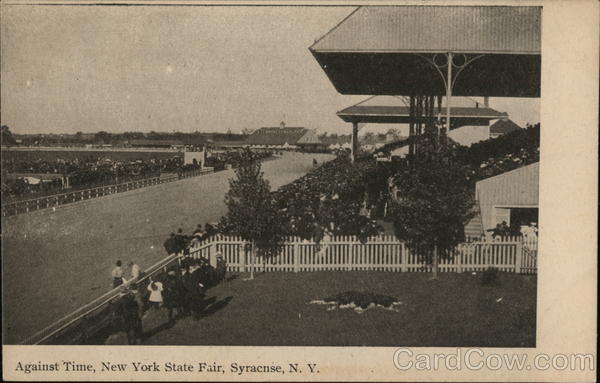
x=435, y=201
x=6, y=137
x=103, y=137
x=251, y=213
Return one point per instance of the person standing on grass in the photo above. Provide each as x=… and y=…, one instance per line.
x=180, y=241
x=196, y=292
x=117, y=275
x=187, y=293
x=156, y=298
x=132, y=319
x=173, y=291
x=134, y=270
x=198, y=233
x=170, y=244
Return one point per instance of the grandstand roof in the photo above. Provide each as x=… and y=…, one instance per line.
x=503, y=126
x=469, y=111
x=383, y=50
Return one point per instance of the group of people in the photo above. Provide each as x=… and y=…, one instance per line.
x=118, y=274
x=177, y=243
x=181, y=292
x=528, y=232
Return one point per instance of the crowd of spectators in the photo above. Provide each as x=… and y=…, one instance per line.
x=218, y=161
x=82, y=172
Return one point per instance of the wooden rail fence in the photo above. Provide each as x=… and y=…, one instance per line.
x=83, y=323
x=26, y=206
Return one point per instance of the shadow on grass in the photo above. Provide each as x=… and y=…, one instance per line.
x=215, y=306
x=232, y=277
x=157, y=329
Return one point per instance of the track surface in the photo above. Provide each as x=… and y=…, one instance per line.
x=55, y=261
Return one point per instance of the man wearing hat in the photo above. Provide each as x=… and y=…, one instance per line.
x=173, y=294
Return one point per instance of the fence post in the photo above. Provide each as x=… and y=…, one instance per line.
x=518, y=257
x=296, y=251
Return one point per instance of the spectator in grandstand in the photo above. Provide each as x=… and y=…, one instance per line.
x=170, y=244
x=117, y=275
x=156, y=298
x=134, y=270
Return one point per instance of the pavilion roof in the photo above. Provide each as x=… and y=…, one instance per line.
x=388, y=50
x=465, y=29
x=379, y=109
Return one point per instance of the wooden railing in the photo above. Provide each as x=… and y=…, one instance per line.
x=26, y=206
x=83, y=323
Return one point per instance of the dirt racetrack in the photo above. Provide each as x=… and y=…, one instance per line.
x=55, y=261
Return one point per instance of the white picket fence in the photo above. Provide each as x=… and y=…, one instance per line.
x=381, y=253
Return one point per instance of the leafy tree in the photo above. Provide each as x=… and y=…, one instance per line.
x=251, y=212
x=6, y=137
x=103, y=137
x=435, y=201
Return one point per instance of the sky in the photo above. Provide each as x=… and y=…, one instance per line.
x=66, y=69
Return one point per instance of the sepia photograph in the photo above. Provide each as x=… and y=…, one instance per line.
x=270, y=175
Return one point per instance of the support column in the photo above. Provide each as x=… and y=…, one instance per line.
x=411, y=134
x=354, y=149
x=449, y=91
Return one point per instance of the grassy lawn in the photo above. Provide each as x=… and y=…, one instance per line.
x=273, y=310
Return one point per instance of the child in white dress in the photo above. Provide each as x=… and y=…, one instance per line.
x=156, y=299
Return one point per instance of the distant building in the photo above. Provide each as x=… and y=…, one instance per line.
x=285, y=138
x=511, y=197
x=194, y=158
x=146, y=143
x=337, y=143
x=502, y=126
